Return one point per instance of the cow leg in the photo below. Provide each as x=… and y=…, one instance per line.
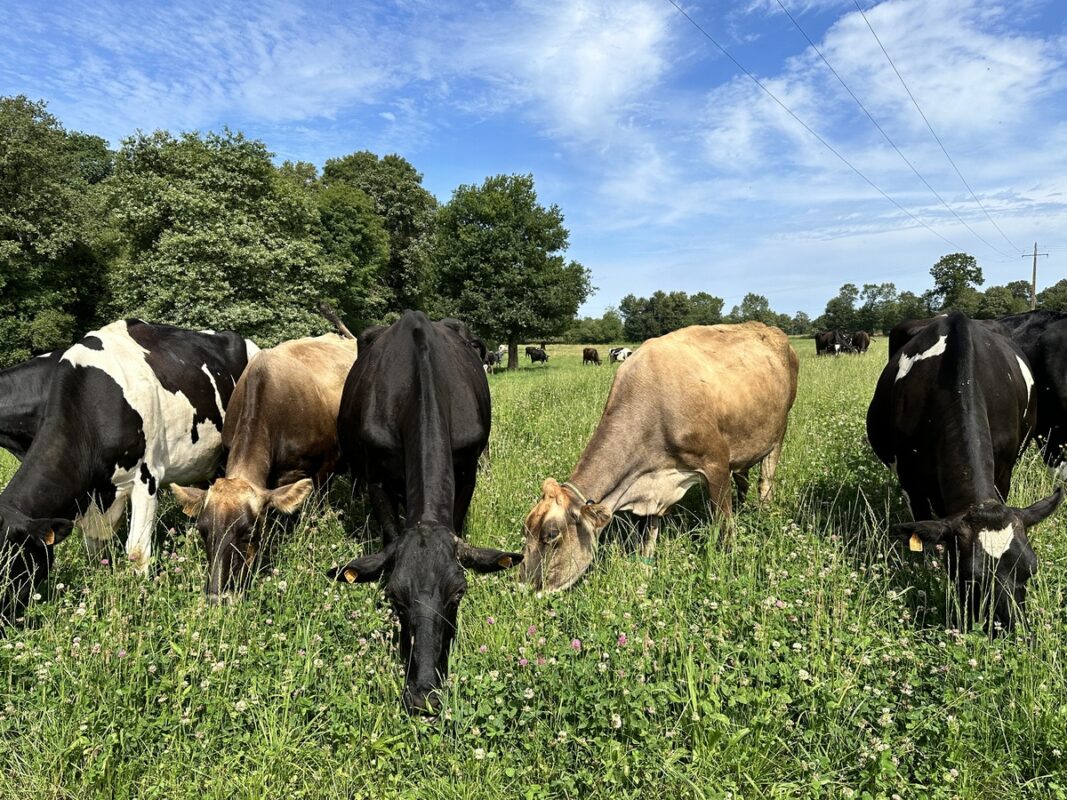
x=385, y=511
x=741, y=484
x=649, y=534
x=767, y=470
x=98, y=527
x=719, y=501
x=143, y=505
x=465, y=480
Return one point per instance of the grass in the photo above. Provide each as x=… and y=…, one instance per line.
x=811, y=660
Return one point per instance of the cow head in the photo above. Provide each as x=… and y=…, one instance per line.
x=227, y=517
x=425, y=581
x=562, y=532
x=989, y=555
x=25, y=557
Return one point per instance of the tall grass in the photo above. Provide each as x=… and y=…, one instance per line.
x=812, y=659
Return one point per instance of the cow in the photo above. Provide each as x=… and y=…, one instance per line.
x=951, y=412
x=132, y=407
x=414, y=418
x=692, y=407
x=23, y=392
x=860, y=341
x=617, y=355
x=831, y=343
x=1042, y=336
x=280, y=435
x=492, y=360
x=590, y=356
x=538, y=355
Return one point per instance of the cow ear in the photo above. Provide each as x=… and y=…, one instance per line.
x=926, y=533
x=485, y=559
x=1031, y=515
x=363, y=569
x=190, y=498
x=596, y=515
x=50, y=531
x=287, y=499
x=550, y=487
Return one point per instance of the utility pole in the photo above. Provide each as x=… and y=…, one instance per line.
x=1033, y=278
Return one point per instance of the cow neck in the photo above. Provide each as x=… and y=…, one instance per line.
x=49, y=478
x=427, y=437
x=608, y=464
x=250, y=456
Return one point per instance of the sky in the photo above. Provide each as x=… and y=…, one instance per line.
x=674, y=169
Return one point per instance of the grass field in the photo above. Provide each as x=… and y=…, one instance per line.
x=811, y=660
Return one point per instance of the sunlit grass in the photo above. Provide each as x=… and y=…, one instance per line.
x=812, y=659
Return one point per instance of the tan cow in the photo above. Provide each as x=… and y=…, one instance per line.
x=281, y=433
x=690, y=407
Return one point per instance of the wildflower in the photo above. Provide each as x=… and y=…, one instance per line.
x=240, y=706
x=616, y=721
x=523, y=662
x=104, y=562
x=804, y=675
x=528, y=693
x=121, y=654
x=576, y=645
x=483, y=649
x=531, y=630
x=622, y=640
x=479, y=753
x=490, y=621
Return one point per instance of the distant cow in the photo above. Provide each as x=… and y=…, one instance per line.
x=617, y=355
x=696, y=406
x=590, y=356
x=281, y=436
x=414, y=418
x=23, y=393
x=132, y=407
x=860, y=341
x=492, y=360
x=951, y=412
x=831, y=343
x=538, y=355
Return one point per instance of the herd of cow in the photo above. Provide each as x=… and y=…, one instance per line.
x=832, y=343
x=135, y=407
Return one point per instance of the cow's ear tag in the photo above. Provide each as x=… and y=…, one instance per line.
x=350, y=575
x=915, y=544
x=504, y=561
x=49, y=537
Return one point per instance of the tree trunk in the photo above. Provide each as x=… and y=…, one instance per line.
x=513, y=351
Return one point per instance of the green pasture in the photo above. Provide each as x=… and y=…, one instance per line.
x=812, y=660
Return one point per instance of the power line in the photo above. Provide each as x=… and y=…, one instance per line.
x=931, y=128
x=886, y=136
x=807, y=127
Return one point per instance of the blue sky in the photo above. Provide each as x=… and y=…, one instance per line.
x=673, y=169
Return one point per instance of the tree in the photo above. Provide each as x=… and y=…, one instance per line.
x=952, y=275
x=499, y=255
x=799, y=325
x=588, y=330
x=754, y=307
x=50, y=280
x=1054, y=297
x=211, y=235
x=999, y=301
x=704, y=309
x=407, y=213
x=840, y=313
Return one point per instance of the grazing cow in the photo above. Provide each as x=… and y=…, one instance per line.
x=695, y=406
x=132, y=407
x=861, y=340
x=538, y=355
x=414, y=418
x=23, y=391
x=951, y=412
x=281, y=437
x=617, y=355
x=492, y=359
x=1042, y=336
x=831, y=343
x=590, y=356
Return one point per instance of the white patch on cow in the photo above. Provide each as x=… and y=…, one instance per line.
x=996, y=543
x=1060, y=472
x=1027, y=377
x=655, y=492
x=907, y=362
x=45, y=355
x=207, y=330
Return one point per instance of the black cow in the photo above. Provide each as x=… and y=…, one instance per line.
x=23, y=391
x=1042, y=336
x=831, y=343
x=860, y=341
x=492, y=360
x=414, y=418
x=132, y=407
x=951, y=412
x=590, y=356
x=537, y=355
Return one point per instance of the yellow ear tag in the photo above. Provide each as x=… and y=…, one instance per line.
x=49, y=538
x=351, y=575
x=915, y=544
x=504, y=561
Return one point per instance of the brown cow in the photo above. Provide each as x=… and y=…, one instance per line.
x=690, y=407
x=281, y=433
x=590, y=356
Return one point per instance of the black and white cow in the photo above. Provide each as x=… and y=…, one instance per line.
x=23, y=391
x=132, y=407
x=1042, y=336
x=951, y=412
x=831, y=343
x=617, y=355
x=414, y=418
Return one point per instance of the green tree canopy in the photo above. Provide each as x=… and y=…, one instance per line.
x=212, y=236
x=500, y=258
x=1054, y=297
x=953, y=274
x=406, y=210
x=840, y=313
